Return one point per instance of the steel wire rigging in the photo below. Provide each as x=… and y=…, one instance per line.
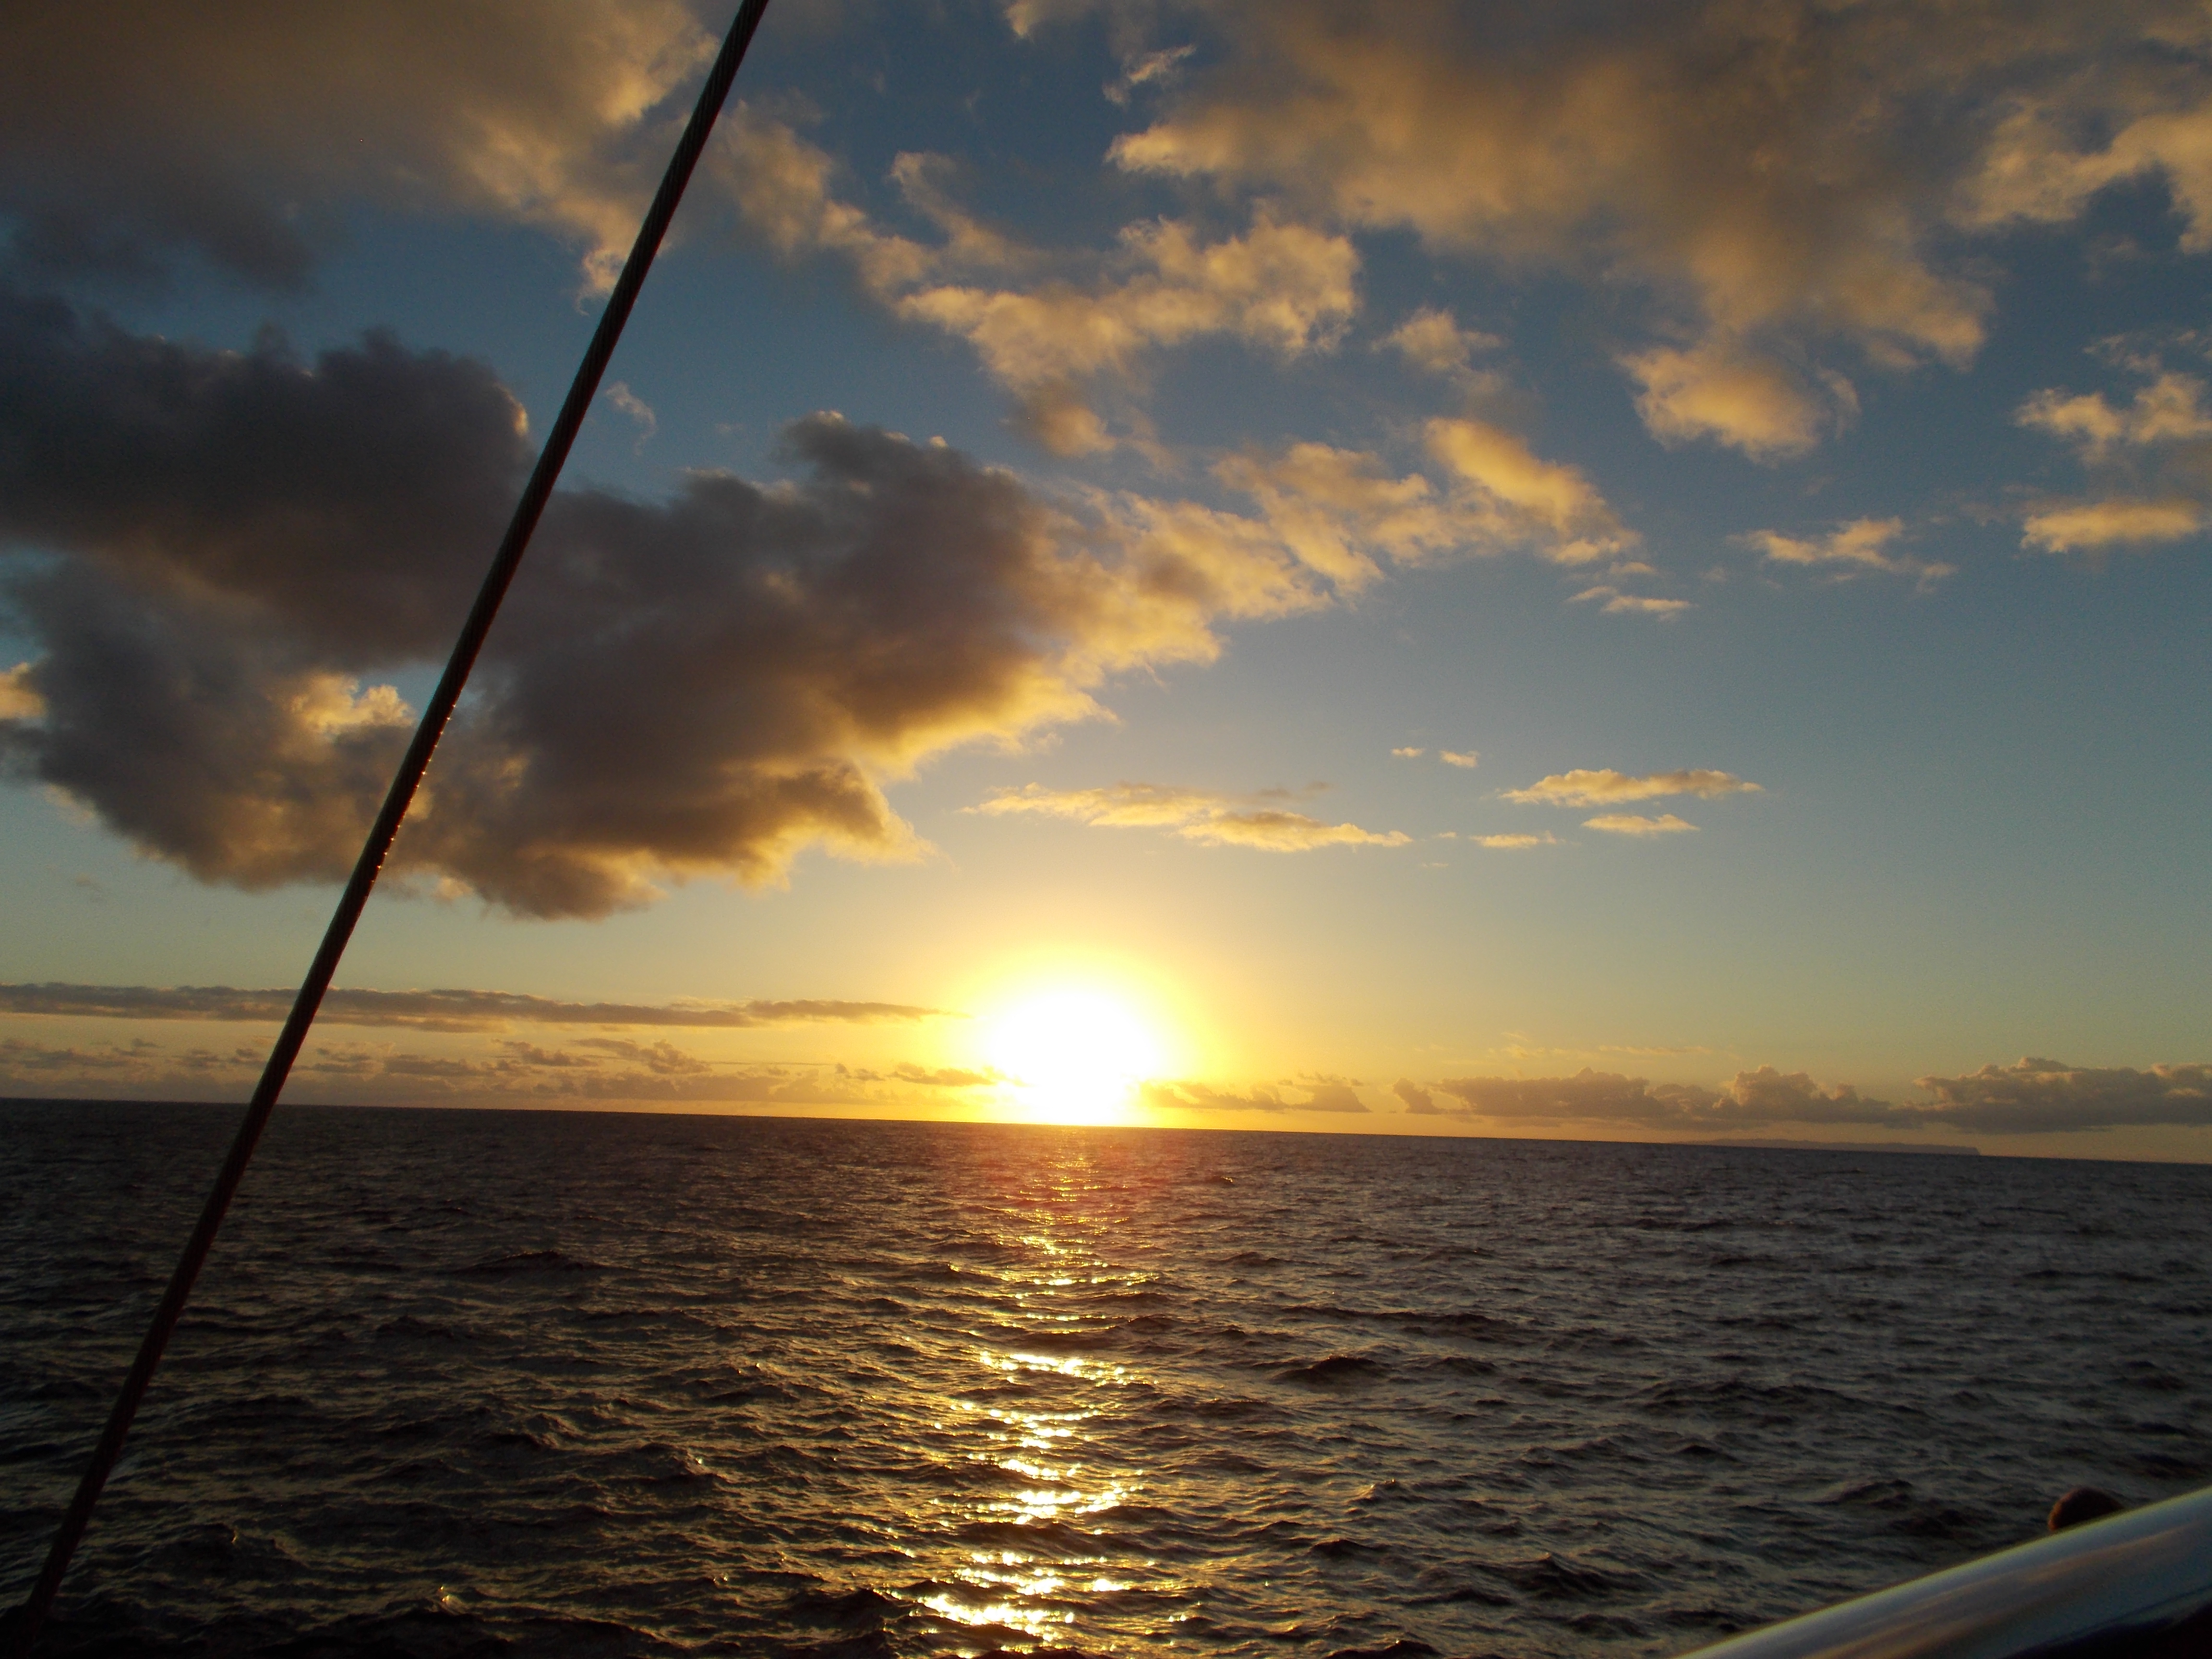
x=22, y=1622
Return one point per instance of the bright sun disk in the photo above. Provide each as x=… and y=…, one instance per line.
x=1075, y=1054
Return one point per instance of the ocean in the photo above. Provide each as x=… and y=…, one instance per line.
x=468, y=1384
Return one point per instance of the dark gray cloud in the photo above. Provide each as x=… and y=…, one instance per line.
x=2047, y=1095
x=229, y=131
x=212, y=549
x=431, y=1011
x=350, y=501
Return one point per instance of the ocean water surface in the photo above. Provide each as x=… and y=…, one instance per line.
x=476, y=1384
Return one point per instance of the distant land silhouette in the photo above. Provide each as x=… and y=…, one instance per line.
x=1850, y=1146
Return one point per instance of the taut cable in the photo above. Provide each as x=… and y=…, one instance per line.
x=23, y=1622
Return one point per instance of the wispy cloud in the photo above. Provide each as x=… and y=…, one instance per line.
x=1618, y=603
x=2114, y=521
x=2149, y=462
x=1051, y=329
x=1634, y=824
x=639, y=411
x=432, y=1010
x=1516, y=843
x=2170, y=409
x=1850, y=550
x=1204, y=815
x=1605, y=787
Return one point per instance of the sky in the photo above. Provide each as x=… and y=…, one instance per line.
x=1598, y=572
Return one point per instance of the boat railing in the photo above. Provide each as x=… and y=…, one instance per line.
x=2134, y=1585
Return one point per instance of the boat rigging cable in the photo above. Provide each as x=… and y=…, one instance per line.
x=22, y=1623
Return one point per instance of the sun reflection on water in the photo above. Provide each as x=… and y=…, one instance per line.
x=1043, y=1422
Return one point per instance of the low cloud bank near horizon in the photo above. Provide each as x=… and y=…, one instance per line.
x=1323, y=1094
x=509, y=1072
x=433, y=1010
x=2029, y=1097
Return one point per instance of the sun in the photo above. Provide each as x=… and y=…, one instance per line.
x=1073, y=1053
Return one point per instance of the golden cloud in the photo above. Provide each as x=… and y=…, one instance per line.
x=1549, y=507
x=1204, y=815
x=2091, y=526
x=1771, y=176
x=1633, y=823
x=1850, y=550
x=1601, y=787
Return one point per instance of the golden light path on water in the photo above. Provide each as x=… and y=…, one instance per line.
x=1050, y=1477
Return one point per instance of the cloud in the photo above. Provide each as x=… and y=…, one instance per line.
x=2043, y=163
x=19, y=701
x=2030, y=1097
x=1602, y=787
x=1588, y=1095
x=2092, y=526
x=231, y=547
x=1771, y=182
x=1741, y=399
x=1768, y=1095
x=1203, y=815
x=1618, y=603
x=2169, y=409
x=1396, y=754
x=599, y=1069
x=430, y=1011
x=2152, y=458
x=637, y=409
x=1418, y=1100
x=1323, y=1094
x=509, y=1070
x=1550, y=508
x=1516, y=843
x=1147, y=69
x=1468, y=759
x=1283, y=288
x=1047, y=326
x=1339, y=511
x=235, y=133
x=2044, y=1096
x=1276, y=831
x=1764, y=1095
x=1431, y=339
x=1633, y=823
x=1850, y=550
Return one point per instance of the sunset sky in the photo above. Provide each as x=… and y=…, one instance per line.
x=1601, y=571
